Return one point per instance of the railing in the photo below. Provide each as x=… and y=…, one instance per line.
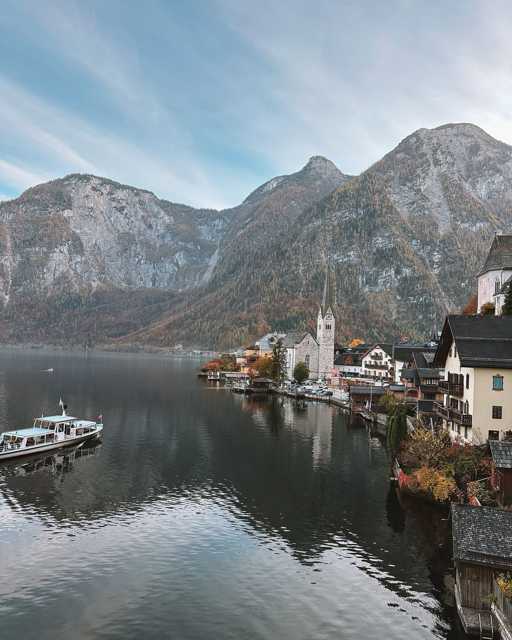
x=503, y=603
x=451, y=388
x=465, y=419
x=441, y=410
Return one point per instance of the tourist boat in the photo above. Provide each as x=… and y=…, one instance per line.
x=48, y=433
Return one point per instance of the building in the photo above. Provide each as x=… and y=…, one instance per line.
x=377, y=363
x=476, y=355
x=348, y=361
x=421, y=381
x=301, y=347
x=482, y=549
x=316, y=353
x=501, y=477
x=365, y=397
x=496, y=274
x=402, y=354
x=267, y=342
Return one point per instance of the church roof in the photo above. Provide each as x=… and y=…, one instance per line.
x=295, y=337
x=500, y=254
x=329, y=296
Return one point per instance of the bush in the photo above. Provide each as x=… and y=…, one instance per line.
x=300, y=372
x=504, y=581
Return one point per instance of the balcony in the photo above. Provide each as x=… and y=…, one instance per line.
x=441, y=411
x=451, y=389
x=465, y=419
x=448, y=413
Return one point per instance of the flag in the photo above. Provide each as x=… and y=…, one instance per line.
x=100, y=418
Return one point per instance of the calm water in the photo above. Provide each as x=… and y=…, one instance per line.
x=205, y=515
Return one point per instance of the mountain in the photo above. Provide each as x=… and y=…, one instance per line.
x=85, y=258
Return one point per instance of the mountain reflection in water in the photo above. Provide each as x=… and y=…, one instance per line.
x=207, y=514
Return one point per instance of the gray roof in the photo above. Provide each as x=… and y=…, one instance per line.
x=403, y=352
x=482, y=341
x=482, y=535
x=501, y=451
x=360, y=390
x=296, y=337
x=500, y=254
x=329, y=297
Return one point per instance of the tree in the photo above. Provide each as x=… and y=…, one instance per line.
x=278, y=369
x=263, y=367
x=355, y=343
x=300, y=372
x=387, y=403
x=471, y=308
x=397, y=427
x=506, y=310
x=487, y=309
x=427, y=447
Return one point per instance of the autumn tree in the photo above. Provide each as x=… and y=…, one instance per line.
x=355, y=343
x=263, y=367
x=300, y=372
x=471, y=308
x=487, y=309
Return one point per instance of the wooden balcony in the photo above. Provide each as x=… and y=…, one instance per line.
x=448, y=413
x=451, y=389
x=441, y=411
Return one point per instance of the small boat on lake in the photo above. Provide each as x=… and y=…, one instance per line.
x=48, y=433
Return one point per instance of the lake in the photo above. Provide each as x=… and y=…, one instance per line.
x=206, y=515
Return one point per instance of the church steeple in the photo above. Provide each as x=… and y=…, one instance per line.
x=329, y=296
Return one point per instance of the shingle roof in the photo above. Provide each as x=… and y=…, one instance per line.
x=500, y=254
x=501, y=451
x=482, y=341
x=356, y=390
x=481, y=535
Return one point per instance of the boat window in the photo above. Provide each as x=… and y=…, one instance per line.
x=30, y=442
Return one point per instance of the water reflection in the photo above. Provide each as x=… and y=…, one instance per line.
x=269, y=502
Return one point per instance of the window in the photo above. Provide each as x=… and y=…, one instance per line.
x=497, y=383
x=494, y=435
x=467, y=380
x=306, y=361
x=328, y=326
x=497, y=413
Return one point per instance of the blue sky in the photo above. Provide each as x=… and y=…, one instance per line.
x=201, y=101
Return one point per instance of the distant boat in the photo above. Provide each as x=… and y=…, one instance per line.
x=47, y=370
x=48, y=433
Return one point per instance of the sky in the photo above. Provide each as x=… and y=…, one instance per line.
x=202, y=101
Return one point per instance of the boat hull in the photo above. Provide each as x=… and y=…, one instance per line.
x=43, y=448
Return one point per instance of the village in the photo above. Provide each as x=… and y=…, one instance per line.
x=444, y=407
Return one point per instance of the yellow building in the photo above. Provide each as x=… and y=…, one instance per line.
x=476, y=355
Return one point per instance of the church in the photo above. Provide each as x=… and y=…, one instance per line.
x=317, y=353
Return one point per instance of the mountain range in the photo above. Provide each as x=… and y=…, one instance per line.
x=86, y=259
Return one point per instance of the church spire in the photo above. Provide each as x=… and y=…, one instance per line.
x=329, y=297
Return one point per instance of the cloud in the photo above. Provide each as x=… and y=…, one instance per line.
x=18, y=176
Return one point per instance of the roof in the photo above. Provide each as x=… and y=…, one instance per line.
x=403, y=352
x=408, y=374
x=500, y=254
x=296, y=337
x=428, y=373
x=387, y=348
x=396, y=387
x=481, y=341
x=31, y=431
x=501, y=451
x=60, y=418
x=329, y=296
x=481, y=535
x=360, y=390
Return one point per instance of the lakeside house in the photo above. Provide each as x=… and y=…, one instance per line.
x=377, y=363
x=496, y=275
x=476, y=355
x=403, y=355
x=482, y=550
x=348, y=361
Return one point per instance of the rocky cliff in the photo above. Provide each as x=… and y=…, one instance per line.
x=89, y=257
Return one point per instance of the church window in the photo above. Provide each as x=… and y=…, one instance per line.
x=306, y=360
x=328, y=326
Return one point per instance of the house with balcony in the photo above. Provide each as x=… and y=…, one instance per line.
x=403, y=354
x=496, y=274
x=482, y=551
x=476, y=355
x=421, y=382
x=377, y=363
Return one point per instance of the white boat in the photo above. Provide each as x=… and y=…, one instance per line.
x=48, y=433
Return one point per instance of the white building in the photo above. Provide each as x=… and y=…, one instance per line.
x=496, y=273
x=377, y=363
x=476, y=353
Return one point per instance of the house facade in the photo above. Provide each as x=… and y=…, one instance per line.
x=496, y=274
x=377, y=363
x=476, y=355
